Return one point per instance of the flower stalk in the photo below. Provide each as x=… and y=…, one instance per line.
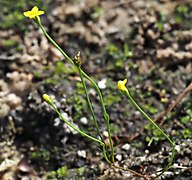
x=124, y=90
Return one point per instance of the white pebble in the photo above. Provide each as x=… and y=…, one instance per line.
x=4, y=110
x=119, y=157
x=57, y=121
x=6, y=164
x=81, y=153
x=13, y=100
x=126, y=147
x=177, y=148
x=84, y=120
x=102, y=84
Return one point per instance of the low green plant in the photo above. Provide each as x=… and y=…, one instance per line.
x=118, y=55
x=76, y=62
x=58, y=174
x=43, y=153
x=183, y=14
x=9, y=43
x=188, y=114
x=186, y=119
x=156, y=135
x=187, y=133
x=98, y=12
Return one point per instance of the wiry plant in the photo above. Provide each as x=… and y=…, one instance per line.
x=109, y=156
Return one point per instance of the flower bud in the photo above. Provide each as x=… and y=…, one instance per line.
x=77, y=60
x=48, y=99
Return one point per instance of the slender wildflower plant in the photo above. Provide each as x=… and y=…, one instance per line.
x=76, y=62
x=34, y=14
x=124, y=90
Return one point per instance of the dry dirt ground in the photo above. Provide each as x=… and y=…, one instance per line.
x=149, y=42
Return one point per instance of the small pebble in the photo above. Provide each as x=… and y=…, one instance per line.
x=4, y=110
x=177, y=148
x=3, y=88
x=13, y=100
x=6, y=164
x=84, y=120
x=119, y=157
x=142, y=158
x=57, y=121
x=82, y=153
x=126, y=147
x=102, y=84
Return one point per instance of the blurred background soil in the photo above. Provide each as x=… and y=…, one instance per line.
x=148, y=42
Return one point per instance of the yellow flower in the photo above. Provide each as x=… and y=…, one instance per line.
x=33, y=13
x=48, y=99
x=121, y=85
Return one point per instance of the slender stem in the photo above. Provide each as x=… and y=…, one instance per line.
x=106, y=116
x=55, y=44
x=89, y=104
x=105, y=153
x=157, y=127
x=83, y=134
x=75, y=128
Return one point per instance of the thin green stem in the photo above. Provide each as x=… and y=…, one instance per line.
x=55, y=44
x=157, y=127
x=105, y=153
x=89, y=104
x=75, y=128
x=83, y=133
x=106, y=116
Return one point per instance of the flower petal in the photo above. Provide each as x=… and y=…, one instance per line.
x=33, y=13
x=121, y=85
x=40, y=13
x=35, y=9
x=27, y=13
x=125, y=81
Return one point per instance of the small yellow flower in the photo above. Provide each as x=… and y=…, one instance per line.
x=121, y=85
x=33, y=13
x=48, y=99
